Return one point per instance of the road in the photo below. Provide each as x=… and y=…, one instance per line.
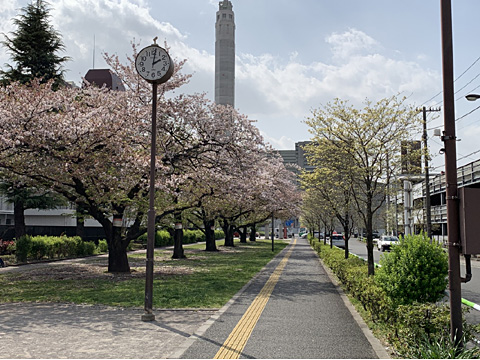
x=470, y=290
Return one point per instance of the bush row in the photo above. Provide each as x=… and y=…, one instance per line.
x=412, y=328
x=163, y=237
x=51, y=247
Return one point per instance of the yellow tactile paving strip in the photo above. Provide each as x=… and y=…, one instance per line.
x=236, y=341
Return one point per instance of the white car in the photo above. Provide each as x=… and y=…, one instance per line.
x=338, y=240
x=386, y=241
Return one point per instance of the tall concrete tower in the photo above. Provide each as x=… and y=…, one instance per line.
x=225, y=54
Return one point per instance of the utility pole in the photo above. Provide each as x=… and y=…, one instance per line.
x=449, y=139
x=427, y=175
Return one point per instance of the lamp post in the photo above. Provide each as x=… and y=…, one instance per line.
x=273, y=228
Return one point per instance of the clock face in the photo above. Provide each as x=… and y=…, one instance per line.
x=154, y=64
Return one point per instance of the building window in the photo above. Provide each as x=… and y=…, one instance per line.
x=230, y=16
x=224, y=16
x=9, y=221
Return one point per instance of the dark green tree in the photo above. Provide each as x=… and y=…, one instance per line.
x=34, y=47
x=24, y=198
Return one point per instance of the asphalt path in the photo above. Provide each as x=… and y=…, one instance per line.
x=303, y=315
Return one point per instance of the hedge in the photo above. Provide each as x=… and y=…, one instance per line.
x=404, y=326
x=51, y=247
x=163, y=237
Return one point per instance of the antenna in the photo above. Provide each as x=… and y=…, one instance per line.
x=93, y=51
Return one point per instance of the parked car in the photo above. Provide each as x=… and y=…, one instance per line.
x=386, y=241
x=338, y=240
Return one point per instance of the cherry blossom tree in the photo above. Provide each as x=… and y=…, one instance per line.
x=93, y=146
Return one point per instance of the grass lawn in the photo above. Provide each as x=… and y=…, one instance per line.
x=202, y=280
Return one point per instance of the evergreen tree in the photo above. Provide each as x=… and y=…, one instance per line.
x=24, y=198
x=33, y=47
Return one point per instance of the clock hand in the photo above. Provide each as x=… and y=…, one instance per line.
x=154, y=56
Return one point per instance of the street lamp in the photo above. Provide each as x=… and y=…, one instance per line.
x=472, y=97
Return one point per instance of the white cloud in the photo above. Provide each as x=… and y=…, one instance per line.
x=283, y=143
x=279, y=92
x=113, y=23
x=350, y=43
x=293, y=87
x=7, y=12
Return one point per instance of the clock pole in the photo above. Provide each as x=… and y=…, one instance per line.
x=160, y=70
x=149, y=315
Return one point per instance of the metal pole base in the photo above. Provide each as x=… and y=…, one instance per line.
x=148, y=317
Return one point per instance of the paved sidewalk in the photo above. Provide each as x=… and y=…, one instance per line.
x=303, y=315
x=92, y=332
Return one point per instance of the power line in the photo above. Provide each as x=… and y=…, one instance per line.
x=463, y=73
x=457, y=119
x=465, y=156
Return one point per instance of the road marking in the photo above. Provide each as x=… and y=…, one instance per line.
x=236, y=341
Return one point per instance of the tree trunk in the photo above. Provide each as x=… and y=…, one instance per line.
x=243, y=234
x=253, y=233
x=80, y=227
x=228, y=231
x=178, y=252
x=19, y=218
x=210, y=243
x=324, y=235
x=319, y=232
x=369, y=226
x=117, y=251
x=346, y=232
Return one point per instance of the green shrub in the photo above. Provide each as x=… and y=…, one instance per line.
x=51, y=247
x=440, y=347
x=193, y=236
x=102, y=246
x=163, y=238
x=219, y=234
x=83, y=248
x=39, y=248
x=424, y=330
x=24, y=247
x=69, y=247
x=89, y=248
x=416, y=330
x=414, y=271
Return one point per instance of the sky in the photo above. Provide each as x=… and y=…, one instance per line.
x=291, y=56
